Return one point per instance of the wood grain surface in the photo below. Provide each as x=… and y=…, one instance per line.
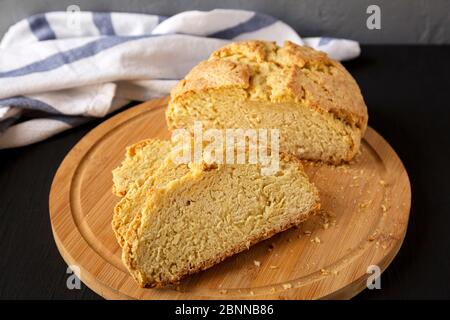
x=363, y=220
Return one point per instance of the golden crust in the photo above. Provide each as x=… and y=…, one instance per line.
x=213, y=74
x=290, y=73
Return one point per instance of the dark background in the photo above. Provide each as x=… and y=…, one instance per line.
x=406, y=89
x=402, y=21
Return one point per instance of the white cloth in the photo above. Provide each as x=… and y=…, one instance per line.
x=60, y=69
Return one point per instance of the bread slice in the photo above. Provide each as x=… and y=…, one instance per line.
x=210, y=213
x=312, y=99
x=127, y=208
x=141, y=160
x=148, y=164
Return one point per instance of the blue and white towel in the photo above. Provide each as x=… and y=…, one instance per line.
x=60, y=69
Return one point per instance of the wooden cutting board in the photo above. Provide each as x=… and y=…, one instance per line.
x=365, y=210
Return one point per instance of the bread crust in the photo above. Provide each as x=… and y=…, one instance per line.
x=306, y=75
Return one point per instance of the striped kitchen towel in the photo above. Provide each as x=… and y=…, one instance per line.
x=60, y=69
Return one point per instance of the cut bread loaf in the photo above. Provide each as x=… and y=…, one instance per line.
x=311, y=99
x=209, y=213
x=141, y=159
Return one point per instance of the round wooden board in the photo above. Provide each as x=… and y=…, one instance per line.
x=365, y=210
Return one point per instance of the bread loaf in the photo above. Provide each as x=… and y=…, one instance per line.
x=312, y=99
x=211, y=212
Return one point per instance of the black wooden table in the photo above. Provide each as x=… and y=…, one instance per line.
x=406, y=89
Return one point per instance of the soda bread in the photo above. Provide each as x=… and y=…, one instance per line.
x=311, y=99
x=177, y=219
x=210, y=213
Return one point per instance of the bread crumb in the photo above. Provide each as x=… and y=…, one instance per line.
x=273, y=267
x=383, y=183
x=307, y=232
x=287, y=286
x=223, y=291
x=327, y=219
x=365, y=204
x=316, y=240
x=384, y=208
x=257, y=263
x=324, y=271
x=373, y=236
x=252, y=293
